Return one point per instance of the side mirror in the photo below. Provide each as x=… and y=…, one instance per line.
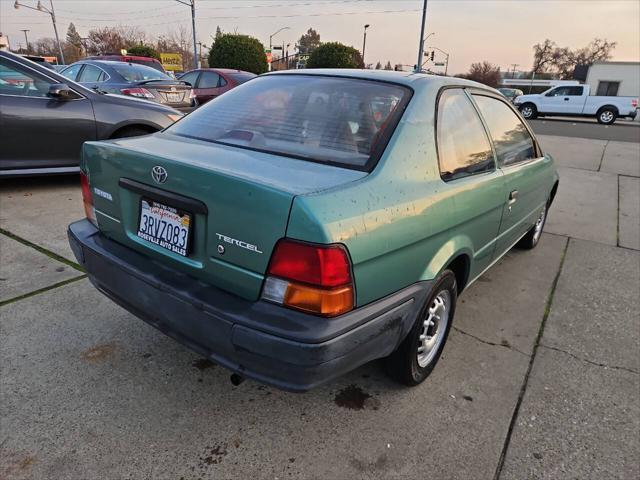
x=60, y=91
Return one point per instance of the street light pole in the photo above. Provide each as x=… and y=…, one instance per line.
x=26, y=39
x=364, y=44
x=52, y=13
x=192, y=4
x=421, y=45
x=271, y=39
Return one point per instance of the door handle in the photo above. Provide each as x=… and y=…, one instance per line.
x=513, y=196
x=566, y=99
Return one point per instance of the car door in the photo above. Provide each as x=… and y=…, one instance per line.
x=192, y=79
x=567, y=100
x=208, y=86
x=524, y=167
x=472, y=181
x=38, y=131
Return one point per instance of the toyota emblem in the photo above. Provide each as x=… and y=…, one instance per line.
x=159, y=174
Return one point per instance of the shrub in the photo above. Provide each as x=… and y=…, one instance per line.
x=335, y=55
x=240, y=52
x=143, y=51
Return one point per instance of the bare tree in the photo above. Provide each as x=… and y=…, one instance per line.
x=548, y=57
x=543, y=55
x=484, y=72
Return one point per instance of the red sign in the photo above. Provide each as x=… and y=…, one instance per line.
x=269, y=57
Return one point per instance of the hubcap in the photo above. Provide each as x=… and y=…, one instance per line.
x=434, y=327
x=539, y=224
x=606, y=116
x=527, y=112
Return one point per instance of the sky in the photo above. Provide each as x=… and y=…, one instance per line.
x=502, y=32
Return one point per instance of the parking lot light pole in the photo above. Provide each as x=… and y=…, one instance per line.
x=364, y=44
x=52, y=13
x=26, y=39
x=192, y=5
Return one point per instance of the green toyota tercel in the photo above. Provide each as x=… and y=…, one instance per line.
x=308, y=222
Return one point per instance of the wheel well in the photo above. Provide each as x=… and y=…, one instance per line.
x=460, y=268
x=118, y=133
x=607, y=107
x=530, y=104
x=553, y=192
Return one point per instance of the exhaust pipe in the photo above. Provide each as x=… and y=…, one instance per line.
x=236, y=379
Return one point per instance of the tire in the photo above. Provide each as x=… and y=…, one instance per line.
x=607, y=116
x=532, y=237
x=130, y=132
x=407, y=364
x=529, y=111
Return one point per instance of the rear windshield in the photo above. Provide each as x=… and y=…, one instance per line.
x=242, y=77
x=139, y=73
x=341, y=121
x=147, y=63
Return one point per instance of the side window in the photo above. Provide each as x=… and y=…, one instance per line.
x=72, y=72
x=463, y=146
x=209, y=80
x=190, y=78
x=574, y=91
x=223, y=82
x=18, y=81
x=511, y=139
x=91, y=74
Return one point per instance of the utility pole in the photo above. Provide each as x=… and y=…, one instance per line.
x=26, y=39
x=364, y=44
x=421, y=46
x=271, y=40
x=514, y=65
x=52, y=13
x=192, y=5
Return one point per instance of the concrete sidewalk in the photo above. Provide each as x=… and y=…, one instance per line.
x=539, y=379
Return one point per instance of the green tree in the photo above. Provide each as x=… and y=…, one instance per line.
x=240, y=52
x=73, y=37
x=309, y=42
x=73, y=46
x=144, y=51
x=218, y=33
x=335, y=55
x=378, y=66
x=388, y=66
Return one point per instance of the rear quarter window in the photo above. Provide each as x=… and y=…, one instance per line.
x=340, y=121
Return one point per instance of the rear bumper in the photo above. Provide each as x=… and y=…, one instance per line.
x=265, y=342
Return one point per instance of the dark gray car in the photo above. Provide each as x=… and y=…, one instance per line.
x=45, y=118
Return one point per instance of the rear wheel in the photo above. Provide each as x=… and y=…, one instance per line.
x=420, y=351
x=529, y=111
x=531, y=239
x=607, y=116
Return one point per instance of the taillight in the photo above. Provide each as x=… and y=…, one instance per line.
x=312, y=278
x=138, y=92
x=87, y=199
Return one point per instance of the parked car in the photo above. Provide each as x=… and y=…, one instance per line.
x=209, y=83
x=131, y=79
x=511, y=93
x=45, y=118
x=291, y=240
x=576, y=101
x=140, y=60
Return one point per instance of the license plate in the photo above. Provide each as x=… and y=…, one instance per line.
x=175, y=97
x=165, y=226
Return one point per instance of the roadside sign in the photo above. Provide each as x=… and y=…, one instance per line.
x=171, y=61
x=269, y=56
x=439, y=64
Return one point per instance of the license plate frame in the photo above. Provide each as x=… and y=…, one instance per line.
x=154, y=235
x=175, y=97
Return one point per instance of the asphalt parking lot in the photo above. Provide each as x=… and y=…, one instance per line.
x=540, y=377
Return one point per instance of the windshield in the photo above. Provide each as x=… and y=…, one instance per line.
x=341, y=121
x=132, y=72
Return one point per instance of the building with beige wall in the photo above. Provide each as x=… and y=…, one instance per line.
x=614, y=78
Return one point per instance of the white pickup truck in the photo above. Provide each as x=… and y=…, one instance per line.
x=575, y=101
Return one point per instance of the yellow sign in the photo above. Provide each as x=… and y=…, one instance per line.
x=171, y=61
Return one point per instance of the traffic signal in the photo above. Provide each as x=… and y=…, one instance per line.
x=432, y=54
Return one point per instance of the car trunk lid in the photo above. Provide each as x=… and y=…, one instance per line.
x=246, y=196
x=174, y=94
